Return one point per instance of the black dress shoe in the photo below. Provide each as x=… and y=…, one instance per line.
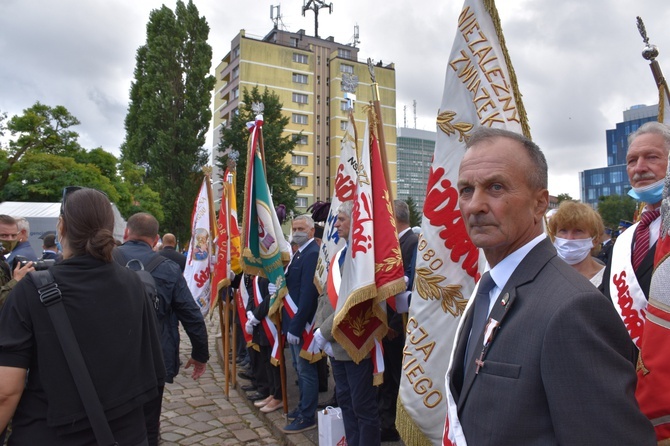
x=390, y=434
x=256, y=396
x=249, y=387
x=244, y=375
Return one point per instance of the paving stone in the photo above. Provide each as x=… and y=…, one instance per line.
x=245, y=434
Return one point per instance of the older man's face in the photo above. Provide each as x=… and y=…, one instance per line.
x=647, y=160
x=342, y=224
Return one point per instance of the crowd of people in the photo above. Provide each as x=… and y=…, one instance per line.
x=548, y=324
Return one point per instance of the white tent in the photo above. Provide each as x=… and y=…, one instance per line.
x=43, y=217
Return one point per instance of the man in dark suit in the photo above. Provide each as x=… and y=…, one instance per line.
x=50, y=249
x=302, y=300
x=541, y=357
x=628, y=273
x=169, y=250
x=395, y=338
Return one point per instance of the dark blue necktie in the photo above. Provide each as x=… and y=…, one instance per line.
x=480, y=314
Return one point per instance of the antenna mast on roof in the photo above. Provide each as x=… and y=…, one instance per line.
x=356, y=36
x=275, y=18
x=315, y=5
x=404, y=116
x=415, y=113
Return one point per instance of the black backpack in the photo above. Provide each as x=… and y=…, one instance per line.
x=144, y=272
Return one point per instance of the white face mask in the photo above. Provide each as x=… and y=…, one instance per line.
x=573, y=251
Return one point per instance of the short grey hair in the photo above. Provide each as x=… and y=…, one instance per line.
x=652, y=128
x=309, y=220
x=401, y=211
x=538, y=177
x=22, y=224
x=346, y=208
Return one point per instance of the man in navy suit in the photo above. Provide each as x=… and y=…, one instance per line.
x=541, y=357
x=301, y=301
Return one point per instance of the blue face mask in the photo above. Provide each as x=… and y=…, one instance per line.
x=648, y=194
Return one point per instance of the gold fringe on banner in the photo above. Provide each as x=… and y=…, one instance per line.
x=409, y=432
x=490, y=6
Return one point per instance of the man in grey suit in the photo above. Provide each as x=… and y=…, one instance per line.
x=551, y=360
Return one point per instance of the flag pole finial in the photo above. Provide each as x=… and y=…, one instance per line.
x=650, y=52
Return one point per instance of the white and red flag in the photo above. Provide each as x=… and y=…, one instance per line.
x=199, y=258
x=372, y=270
x=480, y=90
x=344, y=190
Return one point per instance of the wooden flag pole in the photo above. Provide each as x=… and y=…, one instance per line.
x=380, y=129
x=234, y=346
x=650, y=52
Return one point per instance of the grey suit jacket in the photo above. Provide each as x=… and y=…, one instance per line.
x=559, y=369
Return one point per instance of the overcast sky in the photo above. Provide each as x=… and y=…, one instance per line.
x=578, y=62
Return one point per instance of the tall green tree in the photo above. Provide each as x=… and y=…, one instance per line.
x=42, y=155
x=40, y=129
x=277, y=146
x=169, y=113
x=414, y=214
x=615, y=208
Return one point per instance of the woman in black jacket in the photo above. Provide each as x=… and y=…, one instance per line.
x=113, y=323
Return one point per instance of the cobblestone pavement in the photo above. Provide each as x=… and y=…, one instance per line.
x=198, y=413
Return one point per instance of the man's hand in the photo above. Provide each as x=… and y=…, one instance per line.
x=21, y=271
x=198, y=368
x=272, y=288
x=251, y=318
x=293, y=340
x=328, y=349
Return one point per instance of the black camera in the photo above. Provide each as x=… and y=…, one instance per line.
x=38, y=265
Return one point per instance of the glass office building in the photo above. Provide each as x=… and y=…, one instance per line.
x=415, y=155
x=613, y=179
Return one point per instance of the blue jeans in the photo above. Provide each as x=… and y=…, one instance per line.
x=357, y=398
x=308, y=384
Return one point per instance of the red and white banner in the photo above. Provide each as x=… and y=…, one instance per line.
x=198, y=260
x=344, y=190
x=479, y=90
x=372, y=269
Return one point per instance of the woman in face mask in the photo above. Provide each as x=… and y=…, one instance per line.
x=576, y=230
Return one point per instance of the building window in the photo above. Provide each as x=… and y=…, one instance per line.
x=597, y=179
x=616, y=176
x=343, y=105
x=300, y=181
x=294, y=42
x=299, y=58
x=236, y=72
x=299, y=160
x=235, y=93
x=299, y=119
x=236, y=52
x=300, y=78
x=300, y=98
x=344, y=68
x=343, y=125
x=300, y=139
x=235, y=112
x=344, y=53
x=301, y=202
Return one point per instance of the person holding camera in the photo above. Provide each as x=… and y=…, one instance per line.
x=113, y=324
x=9, y=239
